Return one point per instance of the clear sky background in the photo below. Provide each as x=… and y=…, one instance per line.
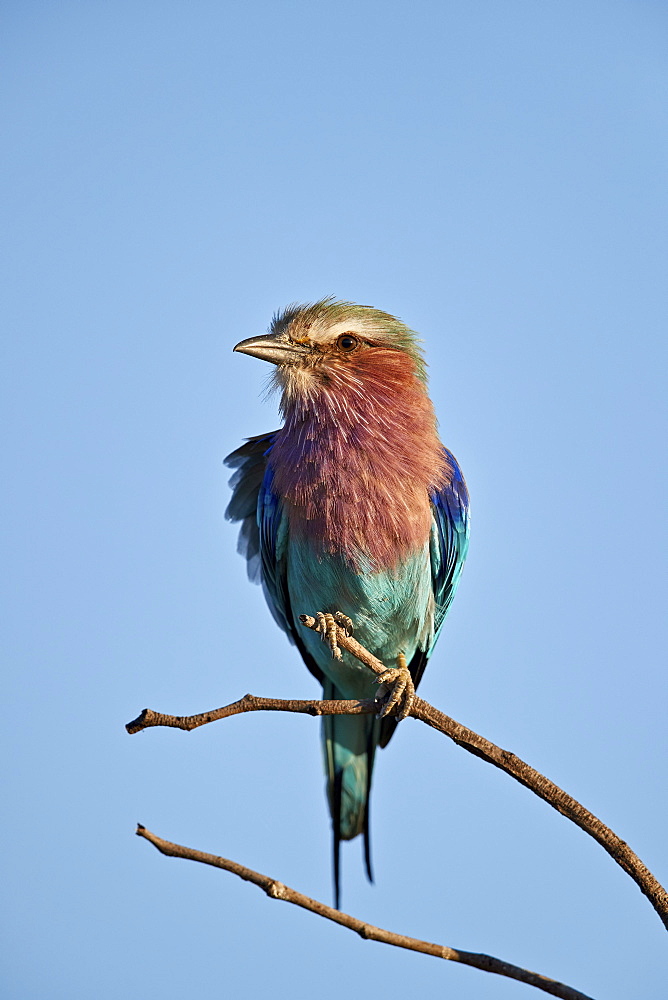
x=494, y=174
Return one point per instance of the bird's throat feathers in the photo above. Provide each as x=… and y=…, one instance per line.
x=357, y=457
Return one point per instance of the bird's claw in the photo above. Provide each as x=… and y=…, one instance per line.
x=397, y=690
x=327, y=625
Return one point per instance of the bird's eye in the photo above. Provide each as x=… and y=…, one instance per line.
x=347, y=342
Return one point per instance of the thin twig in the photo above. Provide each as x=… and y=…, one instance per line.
x=277, y=890
x=506, y=761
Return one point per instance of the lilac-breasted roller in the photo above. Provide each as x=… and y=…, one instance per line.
x=355, y=508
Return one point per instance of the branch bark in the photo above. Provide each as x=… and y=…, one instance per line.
x=506, y=761
x=277, y=890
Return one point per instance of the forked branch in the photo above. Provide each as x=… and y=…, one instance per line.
x=277, y=890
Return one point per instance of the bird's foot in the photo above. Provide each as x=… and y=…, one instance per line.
x=397, y=689
x=327, y=625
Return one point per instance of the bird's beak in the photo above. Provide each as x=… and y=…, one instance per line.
x=270, y=348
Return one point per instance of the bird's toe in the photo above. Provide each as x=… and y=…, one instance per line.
x=397, y=690
x=328, y=626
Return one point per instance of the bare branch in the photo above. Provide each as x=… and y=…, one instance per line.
x=277, y=890
x=560, y=800
x=506, y=761
x=250, y=703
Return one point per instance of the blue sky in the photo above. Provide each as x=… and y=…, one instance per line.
x=494, y=174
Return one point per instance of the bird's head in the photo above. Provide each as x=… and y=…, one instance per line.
x=322, y=350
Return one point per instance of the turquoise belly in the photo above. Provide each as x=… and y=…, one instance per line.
x=393, y=611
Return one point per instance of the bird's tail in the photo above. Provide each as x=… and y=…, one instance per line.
x=349, y=743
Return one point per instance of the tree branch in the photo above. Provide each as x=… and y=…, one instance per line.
x=277, y=890
x=250, y=703
x=506, y=761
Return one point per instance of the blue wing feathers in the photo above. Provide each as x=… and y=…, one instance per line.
x=250, y=463
x=449, y=541
x=273, y=553
x=448, y=546
x=263, y=534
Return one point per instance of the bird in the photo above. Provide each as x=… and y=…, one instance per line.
x=353, y=509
